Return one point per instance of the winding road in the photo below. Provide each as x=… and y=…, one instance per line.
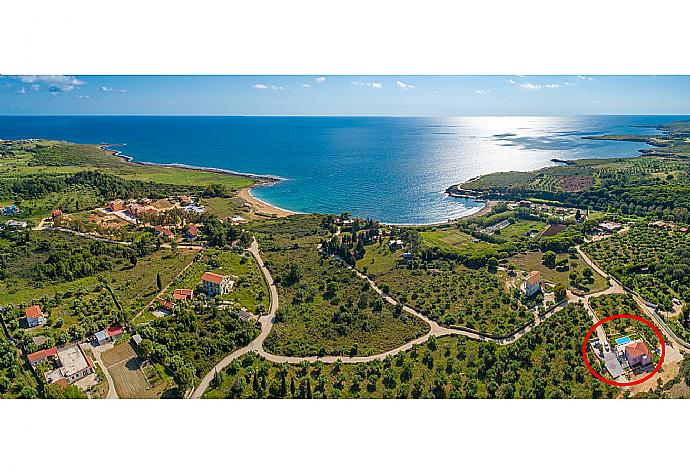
x=435, y=329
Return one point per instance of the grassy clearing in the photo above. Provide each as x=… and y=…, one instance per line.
x=250, y=290
x=561, y=275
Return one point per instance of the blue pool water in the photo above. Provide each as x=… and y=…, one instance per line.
x=391, y=169
x=624, y=340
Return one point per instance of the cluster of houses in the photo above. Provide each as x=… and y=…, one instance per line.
x=70, y=364
x=211, y=283
x=191, y=232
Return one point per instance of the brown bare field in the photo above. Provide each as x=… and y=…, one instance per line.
x=130, y=382
x=576, y=183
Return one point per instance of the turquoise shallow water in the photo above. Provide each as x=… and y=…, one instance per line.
x=391, y=169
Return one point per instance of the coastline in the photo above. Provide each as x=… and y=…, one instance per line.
x=269, y=179
x=261, y=206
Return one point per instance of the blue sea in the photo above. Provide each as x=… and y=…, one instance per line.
x=391, y=169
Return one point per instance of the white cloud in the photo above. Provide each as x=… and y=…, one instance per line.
x=361, y=83
x=482, y=91
x=403, y=85
x=320, y=79
x=267, y=87
x=306, y=85
x=584, y=77
x=107, y=89
x=21, y=91
x=533, y=86
x=55, y=83
x=569, y=83
x=83, y=97
x=35, y=87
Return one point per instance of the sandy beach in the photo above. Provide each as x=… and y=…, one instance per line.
x=260, y=206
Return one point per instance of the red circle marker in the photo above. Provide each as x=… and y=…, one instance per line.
x=613, y=382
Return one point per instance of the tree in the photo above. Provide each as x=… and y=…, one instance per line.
x=292, y=387
x=560, y=292
x=159, y=282
x=549, y=259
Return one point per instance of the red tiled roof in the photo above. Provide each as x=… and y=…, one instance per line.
x=191, y=229
x=637, y=348
x=38, y=355
x=57, y=212
x=33, y=311
x=213, y=278
x=167, y=232
x=158, y=229
x=114, y=330
x=183, y=293
x=534, y=277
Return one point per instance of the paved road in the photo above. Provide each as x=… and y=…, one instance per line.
x=617, y=288
x=112, y=393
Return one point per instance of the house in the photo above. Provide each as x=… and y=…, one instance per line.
x=110, y=334
x=73, y=365
x=163, y=232
x=41, y=356
x=116, y=205
x=532, y=283
x=191, y=232
x=185, y=200
x=396, y=243
x=216, y=284
x=183, y=294
x=134, y=208
x=136, y=339
x=236, y=220
x=166, y=305
x=610, y=226
x=55, y=213
x=407, y=255
x=14, y=224
x=10, y=210
x=115, y=332
x=33, y=316
x=637, y=352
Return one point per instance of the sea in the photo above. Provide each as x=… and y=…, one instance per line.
x=391, y=169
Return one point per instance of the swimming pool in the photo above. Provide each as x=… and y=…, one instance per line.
x=624, y=340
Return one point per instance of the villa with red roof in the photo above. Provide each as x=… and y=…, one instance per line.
x=191, y=232
x=41, y=356
x=183, y=294
x=216, y=284
x=163, y=232
x=532, y=284
x=637, y=352
x=34, y=316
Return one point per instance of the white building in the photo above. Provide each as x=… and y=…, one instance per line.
x=532, y=283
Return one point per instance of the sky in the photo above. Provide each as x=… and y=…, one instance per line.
x=345, y=95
